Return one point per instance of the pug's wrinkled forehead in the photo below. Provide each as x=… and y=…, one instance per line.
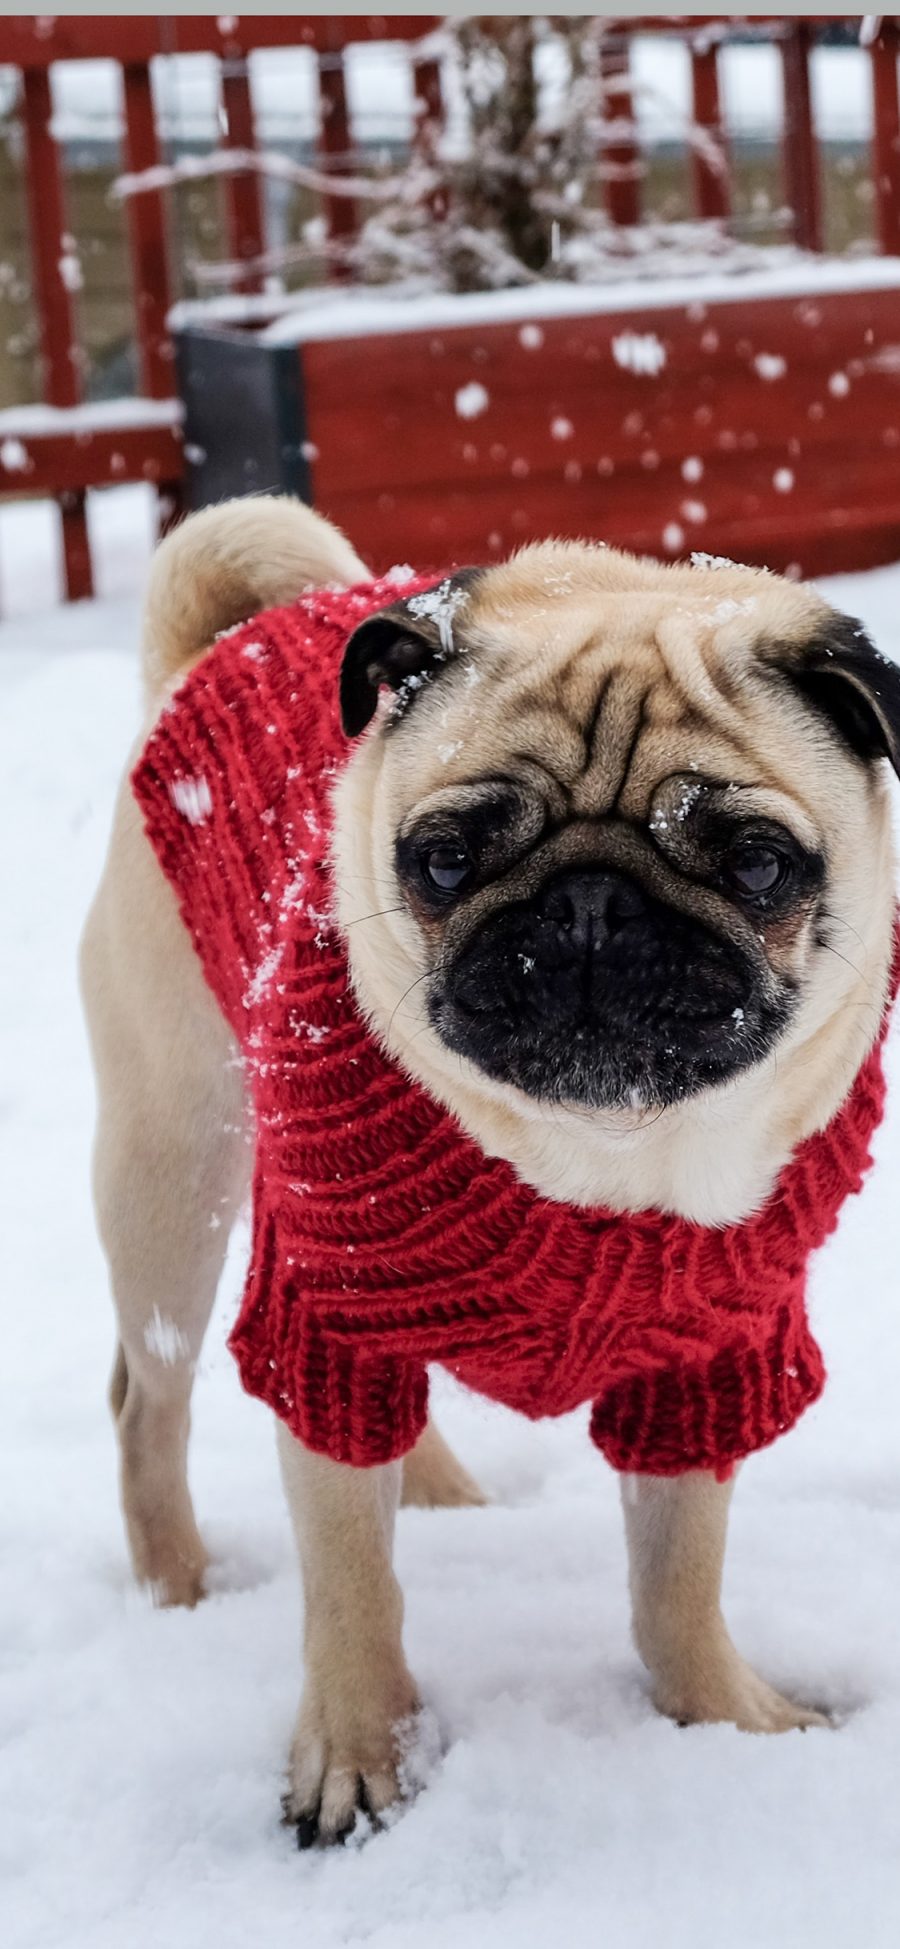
x=601, y=674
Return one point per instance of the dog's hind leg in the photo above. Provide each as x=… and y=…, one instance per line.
x=169, y=1170
x=434, y=1479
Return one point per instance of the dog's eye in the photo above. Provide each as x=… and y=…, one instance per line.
x=754, y=870
x=447, y=868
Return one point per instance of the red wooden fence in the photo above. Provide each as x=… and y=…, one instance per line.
x=74, y=448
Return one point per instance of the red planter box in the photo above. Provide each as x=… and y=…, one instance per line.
x=731, y=421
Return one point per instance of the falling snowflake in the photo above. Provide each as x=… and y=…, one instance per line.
x=193, y=798
x=472, y=400
x=165, y=1340
x=639, y=352
x=70, y=271
x=770, y=365
x=14, y=457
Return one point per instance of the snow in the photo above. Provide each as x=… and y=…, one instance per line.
x=141, y=1751
x=271, y=163
x=639, y=352
x=192, y=798
x=471, y=401
x=321, y=315
x=162, y=1335
x=70, y=271
x=439, y=606
x=13, y=456
x=770, y=365
x=96, y=416
x=122, y=522
x=264, y=975
x=701, y=560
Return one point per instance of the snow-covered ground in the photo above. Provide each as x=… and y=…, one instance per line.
x=140, y=1752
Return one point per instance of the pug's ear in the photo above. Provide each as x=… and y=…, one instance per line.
x=856, y=687
x=401, y=646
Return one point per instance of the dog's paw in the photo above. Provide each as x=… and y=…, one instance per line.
x=349, y=1761
x=433, y=1477
x=177, y=1581
x=733, y=1693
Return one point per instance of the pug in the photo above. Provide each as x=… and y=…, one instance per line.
x=612, y=872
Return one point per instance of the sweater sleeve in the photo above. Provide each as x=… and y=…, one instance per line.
x=711, y=1411
x=734, y=1363
x=362, y=1409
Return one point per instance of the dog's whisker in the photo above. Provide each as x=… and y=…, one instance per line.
x=831, y=949
x=837, y=920
x=407, y=992
x=381, y=913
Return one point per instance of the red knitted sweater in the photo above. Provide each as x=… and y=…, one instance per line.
x=383, y=1237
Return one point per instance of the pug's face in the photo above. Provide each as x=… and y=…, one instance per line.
x=613, y=825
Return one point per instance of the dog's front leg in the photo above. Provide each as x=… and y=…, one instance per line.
x=359, y=1699
x=676, y=1529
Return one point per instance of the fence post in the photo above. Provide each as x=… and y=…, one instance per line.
x=886, y=137
x=50, y=254
x=711, y=185
x=620, y=163
x=147, y=238
x=801, y=158
x=243, y=203
x=334, y=152
x=148, y=250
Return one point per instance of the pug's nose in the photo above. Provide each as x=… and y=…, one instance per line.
x=587, y=909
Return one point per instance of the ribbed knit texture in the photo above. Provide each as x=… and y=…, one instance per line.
x=383, y=1238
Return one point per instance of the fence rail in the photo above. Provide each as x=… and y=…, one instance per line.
x=75, y=452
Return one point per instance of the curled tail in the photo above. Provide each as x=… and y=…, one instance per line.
x=223, y=565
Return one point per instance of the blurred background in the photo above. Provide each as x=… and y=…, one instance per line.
x=182, y=197
x=378, y=83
